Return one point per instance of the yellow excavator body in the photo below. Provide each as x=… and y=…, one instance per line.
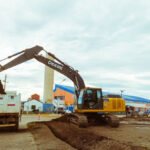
x=111, y=105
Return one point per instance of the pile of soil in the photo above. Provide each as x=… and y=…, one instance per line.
x=82, y=139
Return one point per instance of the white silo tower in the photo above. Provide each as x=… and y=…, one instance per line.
x=48, y=83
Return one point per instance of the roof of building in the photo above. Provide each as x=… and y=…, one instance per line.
x=32, y=100
x=141, y=105
x=70, y=89
x=135, y=98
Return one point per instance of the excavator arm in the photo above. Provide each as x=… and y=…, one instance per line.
x=26, y=55
x=59, y=66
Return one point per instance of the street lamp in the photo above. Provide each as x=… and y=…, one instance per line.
x=122, y=92
x=62, y=81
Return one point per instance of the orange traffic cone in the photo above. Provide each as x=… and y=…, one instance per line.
x=39, y=116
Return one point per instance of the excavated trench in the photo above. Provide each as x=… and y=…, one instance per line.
x=82, y=139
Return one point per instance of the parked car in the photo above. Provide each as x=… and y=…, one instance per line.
x=59, y=110
x=67, y=111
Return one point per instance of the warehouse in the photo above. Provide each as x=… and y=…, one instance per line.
x=64, y=93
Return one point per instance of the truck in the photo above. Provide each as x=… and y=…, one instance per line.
x=10, y=104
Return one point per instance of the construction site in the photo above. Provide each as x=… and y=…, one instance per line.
x=74, y=75
x=98, y=120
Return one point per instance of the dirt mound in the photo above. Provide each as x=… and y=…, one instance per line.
x=84, y=140
x=76, y=137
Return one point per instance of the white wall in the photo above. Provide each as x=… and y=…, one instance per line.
x=28, y=105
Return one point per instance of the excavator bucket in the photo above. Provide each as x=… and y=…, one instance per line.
x=2, y=91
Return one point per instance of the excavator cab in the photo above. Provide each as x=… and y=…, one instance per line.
x=90, y=98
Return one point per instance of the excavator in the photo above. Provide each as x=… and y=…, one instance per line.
x=92, y=106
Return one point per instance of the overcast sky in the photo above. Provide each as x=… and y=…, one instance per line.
x=108, y=41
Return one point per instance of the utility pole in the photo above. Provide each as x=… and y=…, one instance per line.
x=5, y=81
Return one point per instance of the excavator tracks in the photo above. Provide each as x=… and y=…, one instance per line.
x=75, y=118
x=78, y=119
x=108, y=119
x=113, y=121
x=83, y=120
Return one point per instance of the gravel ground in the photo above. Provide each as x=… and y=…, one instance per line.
x=137, y=135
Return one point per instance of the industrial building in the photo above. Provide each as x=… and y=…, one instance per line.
x=66, y=93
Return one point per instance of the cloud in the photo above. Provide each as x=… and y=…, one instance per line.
x=107, y=41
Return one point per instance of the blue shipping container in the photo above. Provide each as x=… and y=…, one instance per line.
x=48, y=107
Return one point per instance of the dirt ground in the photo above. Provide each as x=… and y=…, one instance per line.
x=48, y=134
x=46, y=140
x=95, y=138
x=137, y=135
x=60, y=136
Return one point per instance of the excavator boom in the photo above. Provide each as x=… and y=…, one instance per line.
x=59, y=66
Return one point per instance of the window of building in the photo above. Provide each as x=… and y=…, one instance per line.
x=1, y=98
x=60, y=97
x=12, y=97
x=33, y=107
